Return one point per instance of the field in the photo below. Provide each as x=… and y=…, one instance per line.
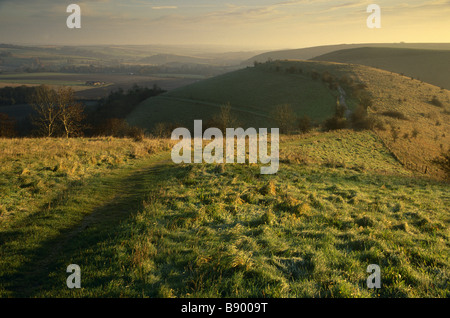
x=140, y=226
x=110, y=82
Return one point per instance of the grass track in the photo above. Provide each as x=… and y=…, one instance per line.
x=100, y=205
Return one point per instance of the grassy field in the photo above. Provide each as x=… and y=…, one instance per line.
x=140, y=226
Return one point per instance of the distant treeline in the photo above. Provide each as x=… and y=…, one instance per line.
x=175, y=68
x=16, y=95
x=108, y=119
x=119, y=103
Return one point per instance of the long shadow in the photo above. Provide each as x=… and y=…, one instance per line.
x=47, y=264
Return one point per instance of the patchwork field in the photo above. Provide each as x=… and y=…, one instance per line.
x=110, y=82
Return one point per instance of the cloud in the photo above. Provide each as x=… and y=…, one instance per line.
x=164, y=7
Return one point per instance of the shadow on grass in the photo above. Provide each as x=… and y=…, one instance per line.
x=45, y=267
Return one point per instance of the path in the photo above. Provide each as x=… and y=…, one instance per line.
x=117, y=197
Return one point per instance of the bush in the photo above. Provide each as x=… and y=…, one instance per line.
x=360, y=120
x=284, y=117
x=395, y=131
x=164, y=130
x=136, y=133
x=119, y=128
x=304, y=124
x=315, y=75
x=436, y=102
x=336, y=123
x=365, y=100
x=394, y=114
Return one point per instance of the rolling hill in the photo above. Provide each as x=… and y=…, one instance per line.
x=431, y=66
x=253, y=94
x=414, y=129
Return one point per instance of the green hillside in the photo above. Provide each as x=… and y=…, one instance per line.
x=431, y=66
x=253, y=94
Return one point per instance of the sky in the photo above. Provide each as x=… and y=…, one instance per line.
x=245, y=24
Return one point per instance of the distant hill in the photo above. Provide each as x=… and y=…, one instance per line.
x=312, y=52
x=431, y=66
x=160, y=59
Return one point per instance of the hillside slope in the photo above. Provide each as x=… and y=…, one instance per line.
x=253, y=93
x=431, y=66
x=415, y=129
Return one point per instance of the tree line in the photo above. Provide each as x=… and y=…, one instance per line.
x=57, y=113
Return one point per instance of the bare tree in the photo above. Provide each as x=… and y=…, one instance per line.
x=285, y=118
x=225, y=119
x=57, y=112
x=44, y=103
x=71, y=113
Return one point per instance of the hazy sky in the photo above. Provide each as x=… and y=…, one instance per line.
x=249, y=24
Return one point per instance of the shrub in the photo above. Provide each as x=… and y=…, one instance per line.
x=119, y=128
x=365, y=99
x=436, y=102
x=162, y=130
x=395, y=133
x=335, y=123
x=114, y=127
x=136, y=133
x=360, y=120
x=327, y=77
x=225, y=118
x=394, y=114
x=345, y=81
x=304, y=124
x=315, y=75
x=284, y=117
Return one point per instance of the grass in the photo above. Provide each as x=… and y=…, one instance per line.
x=149, y=228
x=33, y=170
